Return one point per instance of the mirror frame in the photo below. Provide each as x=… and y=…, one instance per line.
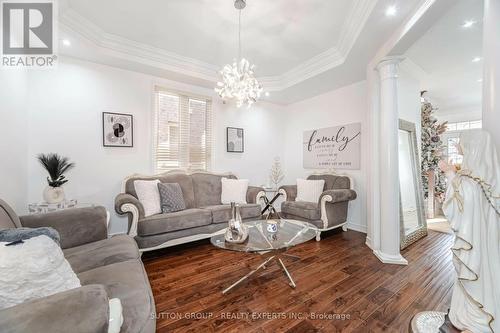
x=421, y=230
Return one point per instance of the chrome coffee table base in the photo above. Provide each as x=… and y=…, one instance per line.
x=263, y=266
x=273, y=244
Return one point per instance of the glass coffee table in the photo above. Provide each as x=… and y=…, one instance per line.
x=275, y=244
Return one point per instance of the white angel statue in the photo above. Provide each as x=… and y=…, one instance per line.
x=472, y=207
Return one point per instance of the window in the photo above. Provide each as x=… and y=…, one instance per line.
x=452, y=138
x=453, y=156
x=182, y=131
x=475, y=124
x=464, y=125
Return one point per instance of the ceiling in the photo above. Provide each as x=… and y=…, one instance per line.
x=444, y=55
x=301, y=47
x=206, y=30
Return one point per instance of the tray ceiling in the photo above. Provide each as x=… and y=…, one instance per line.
x=291, y=41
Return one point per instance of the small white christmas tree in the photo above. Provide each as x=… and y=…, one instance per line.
x=276, y=174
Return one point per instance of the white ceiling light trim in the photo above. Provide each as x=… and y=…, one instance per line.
x=468, y=23
x=127, y=49
x=391, y=11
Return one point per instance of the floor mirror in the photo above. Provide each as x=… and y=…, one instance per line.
x=413, y=225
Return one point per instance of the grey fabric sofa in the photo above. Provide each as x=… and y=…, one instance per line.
x=329, y=212
x=107, y=268
x=203, y=216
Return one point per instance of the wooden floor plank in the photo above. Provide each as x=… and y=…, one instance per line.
x=341, y=287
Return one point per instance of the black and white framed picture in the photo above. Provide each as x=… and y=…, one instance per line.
x=117, y=130
x=235, y=140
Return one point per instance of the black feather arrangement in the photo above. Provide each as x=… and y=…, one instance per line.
x=56, y=166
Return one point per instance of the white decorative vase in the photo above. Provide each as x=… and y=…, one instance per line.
x=53, y=195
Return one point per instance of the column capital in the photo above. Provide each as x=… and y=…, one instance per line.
x=388, y=67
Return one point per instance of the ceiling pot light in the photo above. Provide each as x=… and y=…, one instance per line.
x=267, y=93
x=66, y=42
x=391, y=11
x=237, y=79
x=476, y=59
x=479, y=80
x=468, y=24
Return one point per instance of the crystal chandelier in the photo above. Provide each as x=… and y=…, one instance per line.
x=238, y=80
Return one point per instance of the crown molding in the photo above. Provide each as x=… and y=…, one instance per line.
x=354, y=23
x=333, y=57
x=130, y=50
x=135, y=51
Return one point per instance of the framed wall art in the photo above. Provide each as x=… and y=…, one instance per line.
x=117, y=130
x=336, y=147
x=235, y=140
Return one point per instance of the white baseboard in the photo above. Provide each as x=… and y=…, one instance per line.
x=368, y=242
x=356, y=227
x=390, y=259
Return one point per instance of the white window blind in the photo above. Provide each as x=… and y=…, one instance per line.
x=182, y=131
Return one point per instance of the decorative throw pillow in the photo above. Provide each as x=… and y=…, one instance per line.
x=171, y=198
x=148, y=195
x=309, y=190
x=33, y=269
x=234, y=190
x=16, y=234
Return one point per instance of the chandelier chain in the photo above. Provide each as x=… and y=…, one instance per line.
x=238, y=80
x=239, y=35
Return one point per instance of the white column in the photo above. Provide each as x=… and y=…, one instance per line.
x=388, y=252
x=491, y=63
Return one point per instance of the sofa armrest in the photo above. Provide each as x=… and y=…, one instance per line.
x=76, y=226
x=84, y=309
x=334, y=205
x=255, y=194
x=128, y=204
x=289, y=192
x=339, y=195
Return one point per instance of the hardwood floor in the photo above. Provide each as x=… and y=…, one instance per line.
x=338, y=276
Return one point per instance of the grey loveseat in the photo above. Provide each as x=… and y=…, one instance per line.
x=107, y=268
x=329, y=212
x=204, y=213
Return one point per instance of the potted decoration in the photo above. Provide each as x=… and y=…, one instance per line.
x=56, y=166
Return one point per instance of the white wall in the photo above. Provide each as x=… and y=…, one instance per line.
x=342, y=106
x=409, y=104
x=65, y=117
x=264, y=134
x=13, y=139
